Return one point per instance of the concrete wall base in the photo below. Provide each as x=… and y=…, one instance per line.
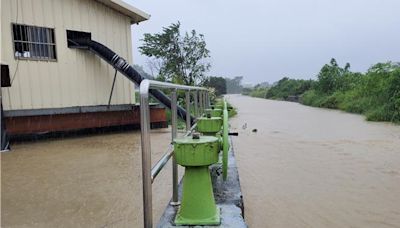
x=65, y=122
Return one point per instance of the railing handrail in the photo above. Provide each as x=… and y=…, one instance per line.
x=147, y=83
x=148, y=173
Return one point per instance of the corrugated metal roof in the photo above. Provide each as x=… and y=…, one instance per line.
x=134, y=13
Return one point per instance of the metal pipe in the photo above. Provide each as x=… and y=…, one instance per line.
x=196, y=104
x=204, y=101
x=167, y=85
x=207, y=103
x=188, y=122
x=201, y=102
x=161, y=163
x=175, y=200
x=112, y=88
x=146, y=155
x=207, y=100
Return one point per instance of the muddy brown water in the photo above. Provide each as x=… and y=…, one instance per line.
x=304, y=167
x=311, y=167
x=90, y=181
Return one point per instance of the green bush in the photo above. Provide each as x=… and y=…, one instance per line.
x=376, y=94
x=332, y=101
x=309, y=98
x=259, y=92
x=288, y=87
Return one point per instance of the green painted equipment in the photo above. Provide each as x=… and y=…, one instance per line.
x=219, y=106
x=198, y=206
x=196, y=153
x=209, y=125
x=215, y=112
x=212, y=126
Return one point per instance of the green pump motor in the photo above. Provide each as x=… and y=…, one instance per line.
x=215, y=112
x=217, y=126
x=196, y=153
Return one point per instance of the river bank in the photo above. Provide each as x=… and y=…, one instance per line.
x=374, y=94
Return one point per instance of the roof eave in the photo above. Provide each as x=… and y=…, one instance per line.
x=134, y=13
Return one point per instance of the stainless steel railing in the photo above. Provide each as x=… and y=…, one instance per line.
x=149, y=174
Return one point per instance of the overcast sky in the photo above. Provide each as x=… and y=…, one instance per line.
x=266, y=40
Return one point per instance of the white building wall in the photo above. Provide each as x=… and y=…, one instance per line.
x=78, y=77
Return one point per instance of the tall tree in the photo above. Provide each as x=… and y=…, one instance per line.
x=329, y=77
x=182, y=57
x=218, y=83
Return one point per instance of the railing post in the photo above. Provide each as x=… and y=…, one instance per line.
x=204, y=102
x=207, y=100
x=174, y=121
x=148, y=174
x=199, y=99
x=188, y=124
x=196, y=103
x=201, y=103
x=146, y=160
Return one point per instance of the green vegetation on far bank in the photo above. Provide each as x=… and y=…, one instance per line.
x=375, y=94
x=257, y=91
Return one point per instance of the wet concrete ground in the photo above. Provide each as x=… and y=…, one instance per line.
x=90, y=181
x=311, y=167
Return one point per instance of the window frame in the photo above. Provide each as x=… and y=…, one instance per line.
x=54, y=44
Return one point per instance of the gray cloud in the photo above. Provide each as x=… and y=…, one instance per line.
x=266, y=40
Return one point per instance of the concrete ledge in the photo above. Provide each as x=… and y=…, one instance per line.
x=72, y=121
x=74, y=110
x=228, y=196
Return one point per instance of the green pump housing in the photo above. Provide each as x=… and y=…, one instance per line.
x=196, y=153
x=198, y=204
x=209, y=125
x=215, y=112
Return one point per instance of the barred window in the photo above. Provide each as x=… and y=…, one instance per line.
x=32, y=42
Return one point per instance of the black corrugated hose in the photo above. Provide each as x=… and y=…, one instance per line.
x=124, y=68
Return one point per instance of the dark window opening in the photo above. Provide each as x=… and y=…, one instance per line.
x=32, y=42
x=71, y=35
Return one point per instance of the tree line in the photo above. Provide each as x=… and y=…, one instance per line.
x=183, y=58
x=376, y=93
